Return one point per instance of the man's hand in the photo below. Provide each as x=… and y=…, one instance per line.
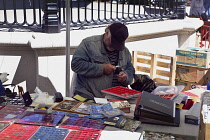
x=108, y=68
x=122, y=76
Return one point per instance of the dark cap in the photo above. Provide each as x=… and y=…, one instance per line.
x=119, y=33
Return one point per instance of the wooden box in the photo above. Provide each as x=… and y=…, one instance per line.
x=195, y=57
x=73, y=107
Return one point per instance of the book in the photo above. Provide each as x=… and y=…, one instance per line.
x=175, y=122
x=156, y=116
x=193, y=114
x=153, y=103
x=192, y=121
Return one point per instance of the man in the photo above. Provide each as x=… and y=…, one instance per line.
x=206, y=4
x=197, y=8
x=95, y=62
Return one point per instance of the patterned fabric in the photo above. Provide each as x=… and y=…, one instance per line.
x=113, y=58
x=197, y=8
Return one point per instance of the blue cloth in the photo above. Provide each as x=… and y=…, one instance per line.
x=197, y=8
x=206, y=4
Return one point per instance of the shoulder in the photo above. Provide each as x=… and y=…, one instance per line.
x=126, y=50
x=92, y=43
x=95, y=38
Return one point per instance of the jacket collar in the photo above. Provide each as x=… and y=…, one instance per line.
x=103, y=49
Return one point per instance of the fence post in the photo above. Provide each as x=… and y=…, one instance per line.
x=51, y=23
x=181, y=9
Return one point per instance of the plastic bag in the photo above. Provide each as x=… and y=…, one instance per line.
x=162, y=90
x=143, y=83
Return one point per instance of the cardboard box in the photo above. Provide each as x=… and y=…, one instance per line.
x=195, y=57
x=204, y=130
x=188, y=85
x=192, y=74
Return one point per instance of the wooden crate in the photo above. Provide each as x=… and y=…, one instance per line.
x=160, y=68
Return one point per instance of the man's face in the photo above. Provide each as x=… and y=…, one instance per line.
x=107, y=40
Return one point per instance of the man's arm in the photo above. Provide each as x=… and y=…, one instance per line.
x=81, y=62
x=129, y=71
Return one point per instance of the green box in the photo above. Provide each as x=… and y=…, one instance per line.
x=195, y=57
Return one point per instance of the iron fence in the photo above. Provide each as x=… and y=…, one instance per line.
x=42, y=15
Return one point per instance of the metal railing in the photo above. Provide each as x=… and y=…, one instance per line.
x=42, y=15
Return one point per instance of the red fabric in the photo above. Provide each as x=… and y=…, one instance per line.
x=188, y=105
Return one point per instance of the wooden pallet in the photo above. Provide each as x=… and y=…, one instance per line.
x=161, y=68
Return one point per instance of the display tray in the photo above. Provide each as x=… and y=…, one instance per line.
x=17, y=101
x=10, y=113
x=3, y=125
x=40, y=118
x=18, y=132
x=122, y=92
x=83, y=135
x=167, y=96
x=78, y=123
x=50, y=133
x=73, y=107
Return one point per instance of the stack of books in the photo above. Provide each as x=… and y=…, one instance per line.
x=156, y=110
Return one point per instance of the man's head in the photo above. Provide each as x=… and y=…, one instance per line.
x=115, y=36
